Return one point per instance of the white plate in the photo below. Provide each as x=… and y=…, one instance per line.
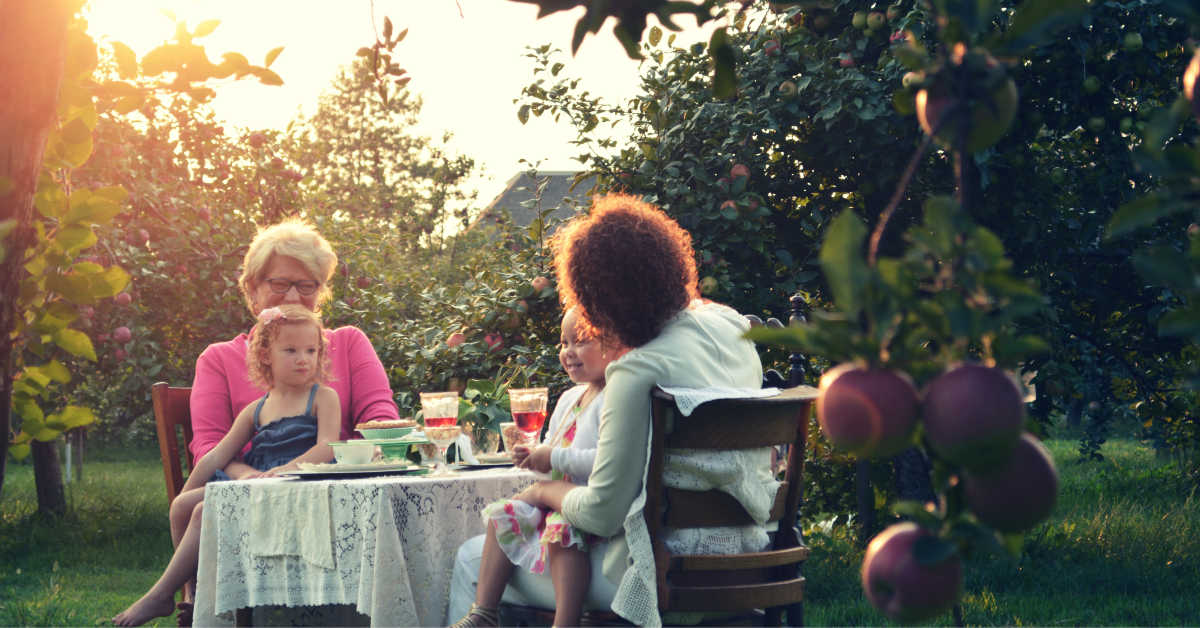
x=494, y=458
x=403, y=440
x=333, y=467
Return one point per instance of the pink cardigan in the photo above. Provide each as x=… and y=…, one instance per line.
x=222, y=388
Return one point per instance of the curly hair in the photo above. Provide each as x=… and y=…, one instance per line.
x=266, y=331
x=628, y=266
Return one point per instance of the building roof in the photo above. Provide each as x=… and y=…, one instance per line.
x=558, y=191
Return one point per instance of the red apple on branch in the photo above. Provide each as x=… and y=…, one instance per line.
x=870, y=412
x=973, y=416
x=899, y=584
x=455, y=339
x=1017, y=495
x=122, y=334
x=986, y=116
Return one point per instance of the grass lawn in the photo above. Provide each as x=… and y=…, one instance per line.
x=1121, y=549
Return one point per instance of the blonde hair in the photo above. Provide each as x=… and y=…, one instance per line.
x=294, y=238
x=266, y=330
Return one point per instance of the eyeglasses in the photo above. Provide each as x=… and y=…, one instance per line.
x=304, y=287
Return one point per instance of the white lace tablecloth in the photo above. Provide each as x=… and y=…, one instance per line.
x=393, y=537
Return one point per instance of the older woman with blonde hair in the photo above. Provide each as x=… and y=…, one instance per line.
x=289, y=262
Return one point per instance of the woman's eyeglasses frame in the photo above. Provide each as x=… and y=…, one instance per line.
x=304, y=287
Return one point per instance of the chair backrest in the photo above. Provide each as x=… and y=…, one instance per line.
x=172, y=410
x=734, y=582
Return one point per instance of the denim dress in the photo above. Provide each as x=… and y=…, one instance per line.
x=283, y=440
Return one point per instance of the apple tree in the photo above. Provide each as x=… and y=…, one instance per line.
x=358, y=155
x=51, y=283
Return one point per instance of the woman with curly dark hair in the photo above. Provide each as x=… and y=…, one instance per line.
x=631, y=271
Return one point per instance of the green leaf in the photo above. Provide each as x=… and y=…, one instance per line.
x=129, y=103
x=1034, y=21
x=911, y=57
x=57, y=371
x=931, y=550
x=19, y=451
x=127, y=66
x=655, y=35
x=916, y=511
x=73, y=287
x=1012, y=542
x=1165, y=266
x=75, y=416
x=842, y=260
x=74, y=238
x=941, y=220
x=1143, y=212
x=50, y=200
x=36, y=375
x=266, y=77
x=109, y=283
x=76, y=153
x=792, y=338
x=236, y=61
x=523, y=114
x=271, y=56
x=28, y=409
x=76, y=343
x=1183, y=322
x=720, y=52
x=206, y=28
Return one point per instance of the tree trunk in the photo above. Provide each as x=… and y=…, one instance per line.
x=865, y=497
x=33, y=36
x=911, y=469
x=47, y=475
x=1075, y=413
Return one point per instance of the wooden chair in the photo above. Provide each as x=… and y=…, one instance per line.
x=758, y=585
x=738, y=588
x=172, y=410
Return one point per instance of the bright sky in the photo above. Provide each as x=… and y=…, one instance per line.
x=467, y=67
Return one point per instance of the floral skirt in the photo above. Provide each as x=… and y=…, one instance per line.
x=524, y=532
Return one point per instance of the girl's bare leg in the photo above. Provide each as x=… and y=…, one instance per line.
x=159, y=601
x=571, y=573
x=180, y=515
x=181, y=512
x=495, y=570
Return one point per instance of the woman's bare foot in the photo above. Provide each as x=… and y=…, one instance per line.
x=144, y=610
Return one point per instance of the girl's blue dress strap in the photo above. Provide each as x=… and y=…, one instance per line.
x=312, y=394
x=258, y=409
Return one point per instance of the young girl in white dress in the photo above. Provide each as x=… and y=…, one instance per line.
x=293, y=423
x=521, y=535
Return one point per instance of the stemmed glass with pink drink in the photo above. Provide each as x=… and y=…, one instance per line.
x=440, y=410
x=528, y=406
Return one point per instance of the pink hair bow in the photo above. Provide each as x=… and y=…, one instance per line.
x=270, y=314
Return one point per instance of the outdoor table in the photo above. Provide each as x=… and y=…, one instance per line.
x=391, y=543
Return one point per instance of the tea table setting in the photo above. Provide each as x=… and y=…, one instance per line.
x=377, y=533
